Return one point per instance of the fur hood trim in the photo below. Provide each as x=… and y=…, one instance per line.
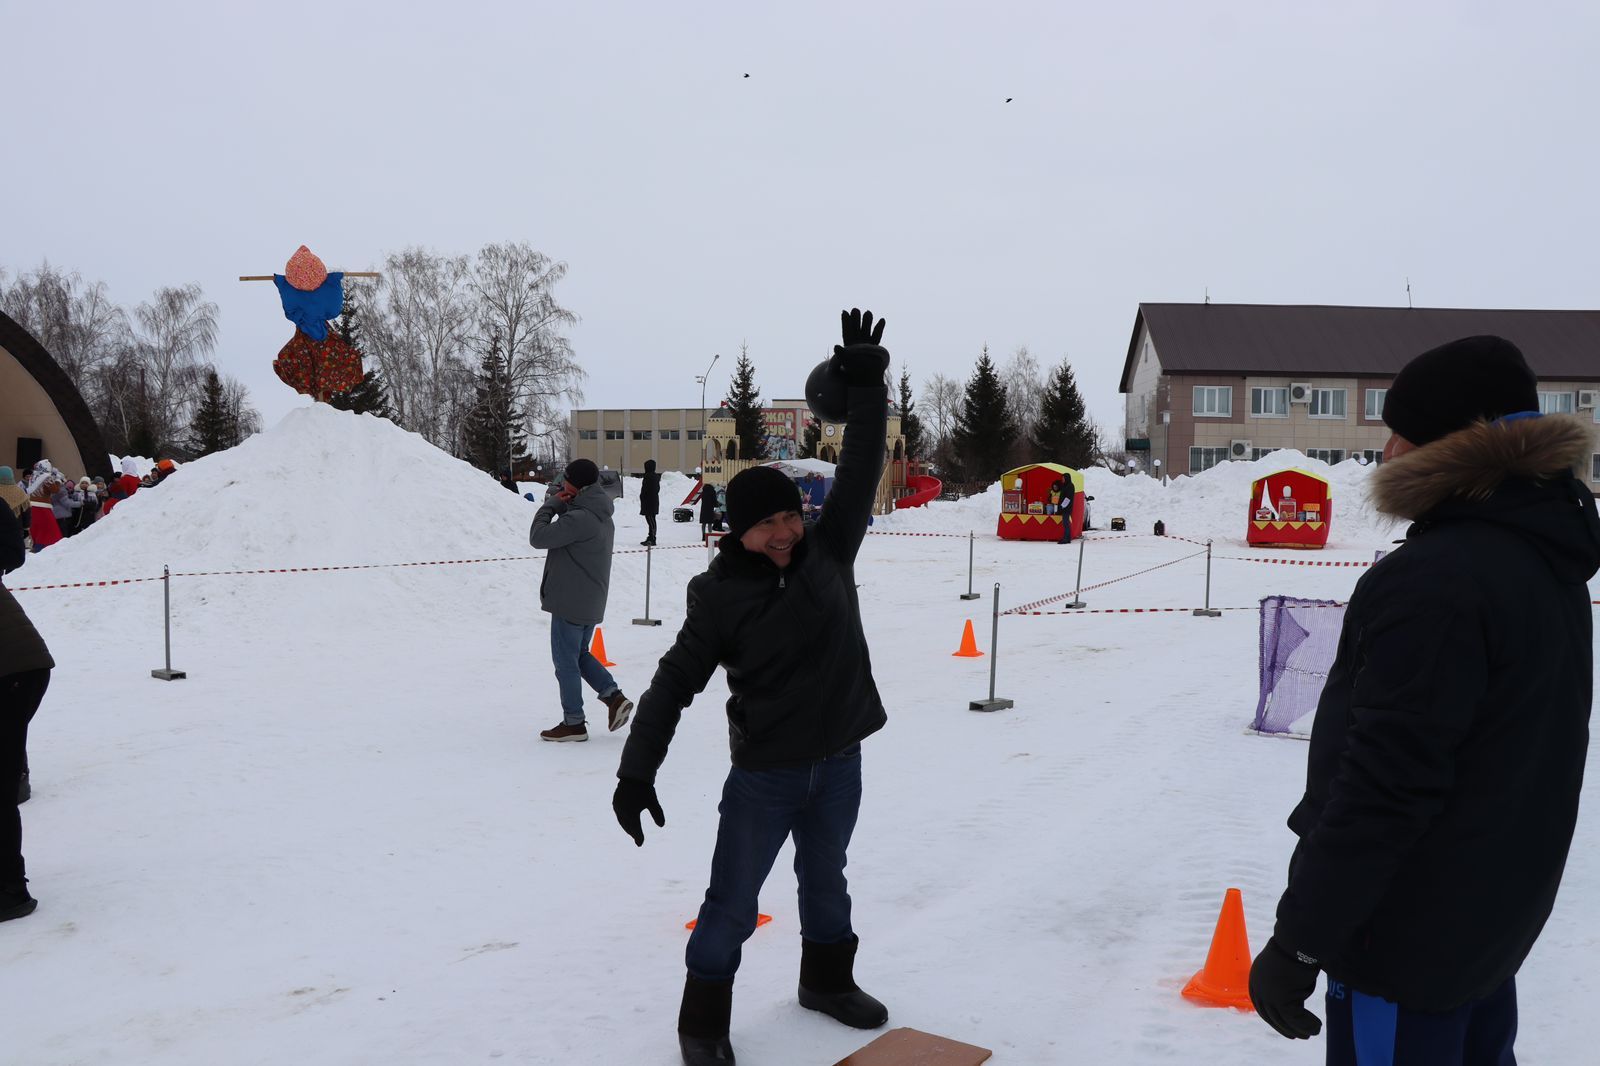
x=1472, y=463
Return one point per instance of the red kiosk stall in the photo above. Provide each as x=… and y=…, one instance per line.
x=1026, y=511
x=1290, y=509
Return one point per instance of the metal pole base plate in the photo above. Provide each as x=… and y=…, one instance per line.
x=1201, y=612
x=1076, y=605
x=971, y=595
x=647, y=621
x=996, y=704
x=168, y=675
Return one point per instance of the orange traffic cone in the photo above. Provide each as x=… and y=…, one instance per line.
x=761, y=919
x=1225, y=980
x=598, y=649
x=969, y=644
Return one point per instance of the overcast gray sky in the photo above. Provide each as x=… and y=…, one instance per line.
x=1274, y=152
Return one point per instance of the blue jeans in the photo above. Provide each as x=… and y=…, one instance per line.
x=569, y=650
x=760, y=809
x=1364, y=1030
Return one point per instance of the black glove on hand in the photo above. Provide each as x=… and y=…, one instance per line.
x=861, y=360
x=1280, y=984
x=631, y=799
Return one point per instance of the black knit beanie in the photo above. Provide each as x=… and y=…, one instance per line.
x=756, y=494
x=582, y=473
x=1447, y=388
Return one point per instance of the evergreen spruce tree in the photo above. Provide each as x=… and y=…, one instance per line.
x=810, y=437
x=910, y=421
x=215, y=425
x=368, y=396
x=985, y=429
x=744, y=401
x=1064, y=433
x=494, y=436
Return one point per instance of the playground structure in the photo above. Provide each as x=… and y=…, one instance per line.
x=1290, y=509
x=1026, y=509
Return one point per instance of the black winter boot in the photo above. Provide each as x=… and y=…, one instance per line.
x=827, y=984
x=703, y=1022
x=15, y=901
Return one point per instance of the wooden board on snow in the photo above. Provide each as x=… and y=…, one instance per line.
x=912, y=1047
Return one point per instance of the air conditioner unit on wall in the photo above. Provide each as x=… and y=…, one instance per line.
x=1300, y=392
x=1588, y=399
x=1239, y=449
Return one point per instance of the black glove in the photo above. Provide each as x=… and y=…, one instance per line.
x=861, y=360
x=631, y=799
x=1280, y=983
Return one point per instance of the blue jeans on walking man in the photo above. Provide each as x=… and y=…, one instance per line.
x=817, y=804
x=569, y=650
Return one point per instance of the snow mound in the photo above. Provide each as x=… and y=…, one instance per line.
x=1214, y=504
x=321, y=488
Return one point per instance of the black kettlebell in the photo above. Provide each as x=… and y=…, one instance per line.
x=827, y=393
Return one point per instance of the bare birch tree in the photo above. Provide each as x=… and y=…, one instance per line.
x=175, y=333
x=514, y=284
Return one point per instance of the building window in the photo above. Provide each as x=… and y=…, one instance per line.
x=1372, y=456
x=669, y=434
x=1375, y=398
x=614, y=434
x=1327, y=403
x=1257, y=453
x=1555, y=403
x=1206, y=458
x=694, y=434
x=1213, y=401
x=588, y=434
x=641, y=434
x=1327, y=455
x=1269, y=403
x=1594, y=475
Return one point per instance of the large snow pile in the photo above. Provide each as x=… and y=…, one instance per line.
x=1214, y=504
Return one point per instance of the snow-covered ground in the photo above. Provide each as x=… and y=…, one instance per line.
x=341, y=840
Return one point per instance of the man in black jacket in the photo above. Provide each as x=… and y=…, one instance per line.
x=650, y=499
x=778, y=610
x=1448, y=748
x=25, y=666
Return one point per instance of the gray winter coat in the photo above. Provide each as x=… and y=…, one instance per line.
x=577, y=538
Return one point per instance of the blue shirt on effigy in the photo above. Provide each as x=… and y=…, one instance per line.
x=310, y=311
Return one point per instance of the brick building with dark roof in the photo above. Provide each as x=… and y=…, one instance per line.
x=1205, y=383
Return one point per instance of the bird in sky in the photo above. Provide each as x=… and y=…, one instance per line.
x=747, y=75
x=1008, y=99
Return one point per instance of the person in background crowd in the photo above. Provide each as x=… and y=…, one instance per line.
x=124, y=486
x=779, y=598
x=1447, y=754
x=650, y=499
x=44, y=528
x=708, y=509
x=42, y=471
x=16, y=499
x=507, y=481
x=574, y=528
x=163, y=470
x=91, y=505
x=65, y=503
x=25, y=666
x=1068, y=493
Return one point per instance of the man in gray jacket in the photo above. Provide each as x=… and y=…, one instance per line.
x=574, y=528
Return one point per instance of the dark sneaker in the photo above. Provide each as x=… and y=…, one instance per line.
x=15, y=902
x=565, y=732
x=619, y=708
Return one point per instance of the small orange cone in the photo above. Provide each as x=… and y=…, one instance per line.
x=969, y=644
x=1225, y=980
x=598, y=649
x=761, y=919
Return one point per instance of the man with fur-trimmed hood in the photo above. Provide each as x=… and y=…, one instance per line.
x=1448, y=748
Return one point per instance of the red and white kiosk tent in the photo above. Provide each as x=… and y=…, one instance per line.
x=1025, y=502
x=1290, y=509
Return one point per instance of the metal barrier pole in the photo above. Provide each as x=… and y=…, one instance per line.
x=1208, y=611
x=1077, y=599
x=168, y=674
x=993, y=704
x=969, y=594
x=647, y=620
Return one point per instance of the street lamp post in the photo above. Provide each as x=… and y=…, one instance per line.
x=702, y=379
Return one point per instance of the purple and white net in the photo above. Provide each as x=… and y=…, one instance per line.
x=1299, y=639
